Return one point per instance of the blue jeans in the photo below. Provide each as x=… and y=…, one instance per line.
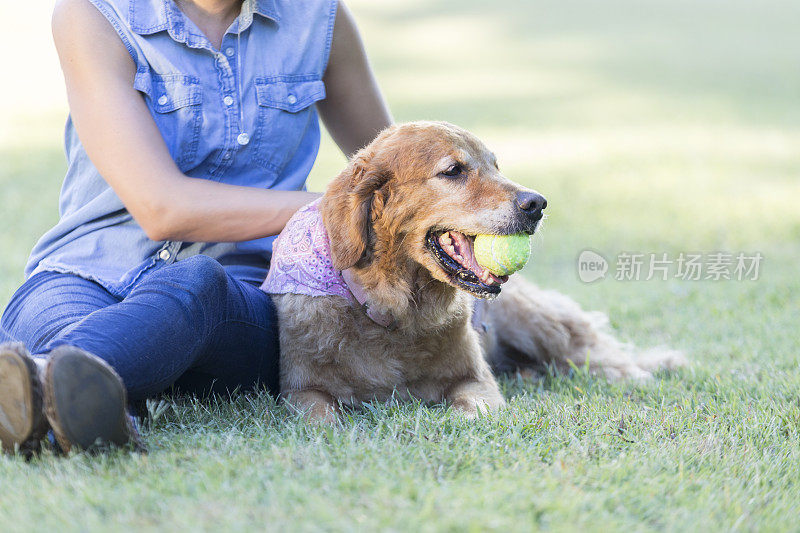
x=189, y=324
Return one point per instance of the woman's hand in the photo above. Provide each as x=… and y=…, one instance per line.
x=123, y=142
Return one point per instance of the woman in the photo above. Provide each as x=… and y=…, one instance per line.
x=193, y=126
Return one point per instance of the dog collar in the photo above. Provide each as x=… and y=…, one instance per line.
x=357, y=290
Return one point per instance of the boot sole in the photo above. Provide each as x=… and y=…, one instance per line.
x=22, y=423
x=85, y=401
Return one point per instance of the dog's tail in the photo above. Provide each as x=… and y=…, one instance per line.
x=528, y=327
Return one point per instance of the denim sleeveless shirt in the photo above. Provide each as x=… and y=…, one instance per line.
x=192, y=92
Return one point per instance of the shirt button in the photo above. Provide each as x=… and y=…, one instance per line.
x=162, y=99
x=226, y=156
x=292, y=99
x=164, y=255
x=228, y=101
x=243, y=139
x=229, y=51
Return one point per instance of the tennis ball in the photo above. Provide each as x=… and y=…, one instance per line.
x=502, y=254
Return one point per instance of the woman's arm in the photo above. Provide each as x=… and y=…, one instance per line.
x=123, y=142
x=354, y=110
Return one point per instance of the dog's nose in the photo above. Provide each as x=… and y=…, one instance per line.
x=532, y=203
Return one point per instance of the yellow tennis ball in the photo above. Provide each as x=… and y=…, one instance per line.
x=502, y=254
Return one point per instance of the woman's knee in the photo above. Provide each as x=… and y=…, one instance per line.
x=199, y=276
x=204, y=271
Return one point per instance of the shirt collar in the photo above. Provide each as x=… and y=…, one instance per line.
x=152, y=16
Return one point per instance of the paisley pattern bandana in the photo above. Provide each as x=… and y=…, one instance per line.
x=301, y=259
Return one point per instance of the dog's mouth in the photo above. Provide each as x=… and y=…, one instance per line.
x=454, y=253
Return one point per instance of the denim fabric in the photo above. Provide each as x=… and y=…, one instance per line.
x=190, y=323
x=193, y=93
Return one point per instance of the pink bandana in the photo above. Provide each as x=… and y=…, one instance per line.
x=301, y=259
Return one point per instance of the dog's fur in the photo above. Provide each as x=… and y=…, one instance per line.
x=378, y=213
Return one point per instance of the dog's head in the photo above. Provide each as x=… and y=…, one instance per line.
x=417, y=196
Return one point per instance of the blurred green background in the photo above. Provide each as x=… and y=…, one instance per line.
x=654, y=126
x=649, y=125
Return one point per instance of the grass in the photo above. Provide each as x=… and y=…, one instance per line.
x=663, y=126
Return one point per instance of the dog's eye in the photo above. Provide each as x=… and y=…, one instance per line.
x=454, y=171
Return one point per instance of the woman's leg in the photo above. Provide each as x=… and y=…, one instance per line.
x=242, y=352
x=46, y=305
x=188, y=319
x=190, y=316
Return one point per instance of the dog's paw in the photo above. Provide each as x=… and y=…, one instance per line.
x=316, y=407
x=471, y=398
x=472, y=407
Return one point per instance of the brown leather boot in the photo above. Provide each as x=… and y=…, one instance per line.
x=86, y=402
x=22, y=420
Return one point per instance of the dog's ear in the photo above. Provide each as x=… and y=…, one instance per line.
x=349, y=209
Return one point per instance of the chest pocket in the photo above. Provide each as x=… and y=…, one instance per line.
x=284, y=113
x=175, y=102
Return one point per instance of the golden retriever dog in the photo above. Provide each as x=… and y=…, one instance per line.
x=425, y=320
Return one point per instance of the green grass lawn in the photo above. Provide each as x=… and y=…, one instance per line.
x=653, y=127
